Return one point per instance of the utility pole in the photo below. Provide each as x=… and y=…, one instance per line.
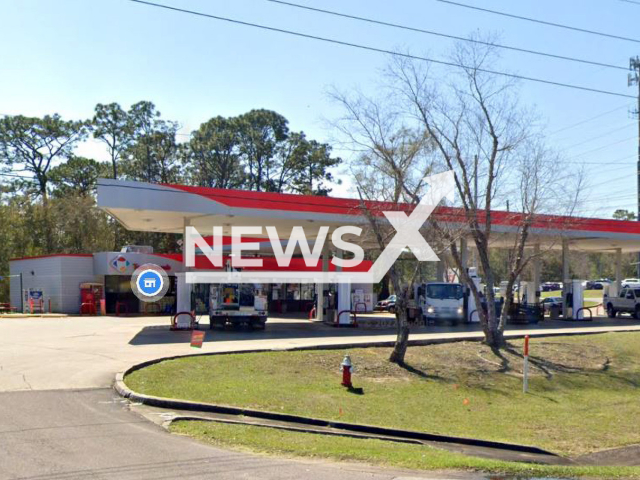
x=634, y=79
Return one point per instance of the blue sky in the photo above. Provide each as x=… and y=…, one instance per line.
x=68, y=55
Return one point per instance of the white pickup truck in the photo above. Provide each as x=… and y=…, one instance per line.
x=627, y=301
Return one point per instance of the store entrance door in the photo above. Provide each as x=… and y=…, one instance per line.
x=119, y=298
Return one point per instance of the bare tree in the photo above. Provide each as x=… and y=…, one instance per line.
x=390, y=163
x=496, y=150
x=470, y=122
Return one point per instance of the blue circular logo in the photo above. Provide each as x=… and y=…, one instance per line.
x=149, y=283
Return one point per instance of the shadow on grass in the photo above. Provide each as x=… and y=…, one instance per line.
x=548, y=367
x=422, y=374
x=569, y=375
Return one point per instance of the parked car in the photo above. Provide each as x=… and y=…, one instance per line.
x=627, y=301
x=551, y=287
x=593, y=285
x=387, y=305
x=600, y=284
x=630, y=282
x=549, y=302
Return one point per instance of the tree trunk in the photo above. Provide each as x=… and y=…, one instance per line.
x=48, y=226
x=489, y=321
x=494, y=335
x=402, y=326
x=384, y=288
x=115, y=168
x=402, y=337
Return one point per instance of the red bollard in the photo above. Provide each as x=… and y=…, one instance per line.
x=346, y=367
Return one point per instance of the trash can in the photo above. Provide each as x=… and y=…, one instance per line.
x=554, y=312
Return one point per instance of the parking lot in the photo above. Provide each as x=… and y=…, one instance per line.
x=86, y=352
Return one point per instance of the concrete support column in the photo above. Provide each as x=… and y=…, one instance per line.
x=440, y=273
x=536, y=272
x=344, y=295
x=474, y=258
x=566, y=276
x=183, y=289
x=320, y=286
x=566, y=272
x=618, y=270
x=464, y=253
x=183, y=301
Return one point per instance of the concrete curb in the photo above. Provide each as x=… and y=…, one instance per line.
x=185, y=405
x=469, y=337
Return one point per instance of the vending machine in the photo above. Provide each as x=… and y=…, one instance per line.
x=91, y=296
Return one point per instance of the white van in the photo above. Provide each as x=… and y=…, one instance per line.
x=441, y=301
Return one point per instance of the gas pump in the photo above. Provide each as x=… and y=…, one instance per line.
x=329, y=302
x=528, y=293
x=610, y=290
x=471, y=307
x=573, y=298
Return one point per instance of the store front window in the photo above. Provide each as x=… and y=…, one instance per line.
x=119, y=298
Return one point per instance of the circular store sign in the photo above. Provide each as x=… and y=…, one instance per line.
x=149, y=282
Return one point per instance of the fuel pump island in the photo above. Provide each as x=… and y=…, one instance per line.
x=146, y=207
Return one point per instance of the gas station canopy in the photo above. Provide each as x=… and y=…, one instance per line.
x=166, y=208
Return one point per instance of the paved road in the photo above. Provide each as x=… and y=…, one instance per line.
x=88, y=434
x=86, y=352
x=60, y=420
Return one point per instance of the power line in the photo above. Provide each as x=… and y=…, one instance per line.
x=588, y=120
x=380, y=50
x=444, y=35
x=543, y=22
x=626, y=157
x=631, y=1
x=603, y=147
x=618, y=165
x=619, y=195
x=607, y=198
x=627, y=125
x=616, y=179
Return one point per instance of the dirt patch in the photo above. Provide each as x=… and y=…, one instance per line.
x=473, y=359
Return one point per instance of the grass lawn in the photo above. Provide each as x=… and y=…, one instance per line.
x=584, y=390
x=593, y=293
x=585, y=294
x=271, y=441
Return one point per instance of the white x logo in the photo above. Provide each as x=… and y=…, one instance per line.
x=408, y=227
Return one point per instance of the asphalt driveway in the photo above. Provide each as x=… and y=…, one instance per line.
x=86, y=352
x=59, y=418
x=90, y=434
